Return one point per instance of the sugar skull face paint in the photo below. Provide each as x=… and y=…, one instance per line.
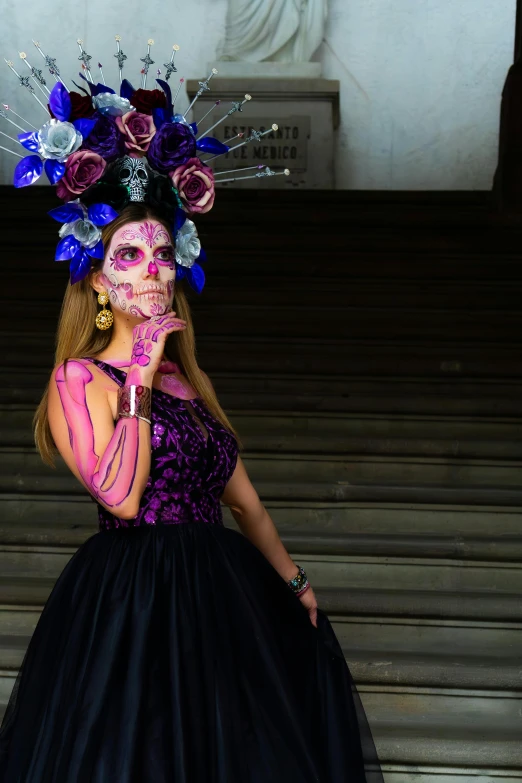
x=139, y=269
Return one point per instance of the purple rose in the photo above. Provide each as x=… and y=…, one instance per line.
x=82, y=169
x=195, y=184
x=172, y=145
x=105, y=139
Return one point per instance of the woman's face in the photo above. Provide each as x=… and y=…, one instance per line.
x=139, y=269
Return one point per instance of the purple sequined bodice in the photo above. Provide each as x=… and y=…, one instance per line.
x=188, y=474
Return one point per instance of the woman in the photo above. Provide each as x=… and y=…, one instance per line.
x=171, y=648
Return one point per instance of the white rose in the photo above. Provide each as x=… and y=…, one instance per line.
x=188, y=246
x=110, y=104
x=57, y=140
x=83, y=230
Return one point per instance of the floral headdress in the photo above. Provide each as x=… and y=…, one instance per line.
x=104, y=151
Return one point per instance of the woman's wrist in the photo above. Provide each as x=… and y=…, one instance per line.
x=299, y=583
x=134, y=402
x=137, y=376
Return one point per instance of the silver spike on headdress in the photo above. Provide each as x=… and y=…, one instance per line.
x=36, y=75
x=171, y=68
x=8, y=108
x=3, y=114
x=268, y=172
x=86, y=59
x=50, y=63
x=254, y=136
x=181, y=81
x=16, y=141
x=24, y=82
x=236, y=106
x=120, y=56
x=203, y=87
x=148, y=62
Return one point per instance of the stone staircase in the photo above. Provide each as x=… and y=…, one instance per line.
x=367, y=347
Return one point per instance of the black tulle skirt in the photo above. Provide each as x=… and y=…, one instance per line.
x=178, y=654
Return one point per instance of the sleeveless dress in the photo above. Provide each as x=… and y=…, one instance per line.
x=171, y=651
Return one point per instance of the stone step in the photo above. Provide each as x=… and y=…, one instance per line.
x=479, y=728
x=243, y=355
x=427, y=604
x=429, y=726
x=321, y=432
x=319, y=478
x=417, y=577
x=355, y=288
x=340, y=433
x=470, y=533
x=479, y=397
x=389, y=651
x=457, y=654
x=346, y=322
x=421, y=773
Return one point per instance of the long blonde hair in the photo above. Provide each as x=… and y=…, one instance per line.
x=77, y=336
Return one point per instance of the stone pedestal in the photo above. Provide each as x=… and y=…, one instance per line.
x=266, y=69
x=306, y=111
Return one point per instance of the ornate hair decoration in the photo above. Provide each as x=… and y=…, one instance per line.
x=104, y=151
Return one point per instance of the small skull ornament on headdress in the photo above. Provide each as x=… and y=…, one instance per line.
x=134, y=173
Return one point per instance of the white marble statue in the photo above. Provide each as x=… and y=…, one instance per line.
x=285, y=31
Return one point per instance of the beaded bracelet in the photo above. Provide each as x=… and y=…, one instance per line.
x=299, y=584
x=134, y=402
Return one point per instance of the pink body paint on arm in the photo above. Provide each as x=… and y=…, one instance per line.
x=112, y=481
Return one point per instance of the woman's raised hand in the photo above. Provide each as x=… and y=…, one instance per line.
x=148, y=346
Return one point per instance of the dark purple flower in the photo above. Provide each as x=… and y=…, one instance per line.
x=172, y=145
x=105, y=139
x=150, y=517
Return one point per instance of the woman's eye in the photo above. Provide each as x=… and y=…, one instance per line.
x=165, y=255
x=129, y=255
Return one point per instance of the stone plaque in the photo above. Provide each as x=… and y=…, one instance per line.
x=286, y=147
x=306, y=112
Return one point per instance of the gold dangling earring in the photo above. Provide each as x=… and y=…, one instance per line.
x=105, y=318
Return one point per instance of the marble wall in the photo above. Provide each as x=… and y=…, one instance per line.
x=420, y=80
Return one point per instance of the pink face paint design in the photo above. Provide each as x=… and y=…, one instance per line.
x=165, y=256
x=125, y=257
x=139, y=276
x=113, y=481
x=150, y=233
x=157, y=309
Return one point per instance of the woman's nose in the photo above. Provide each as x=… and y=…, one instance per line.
x=152, y=269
